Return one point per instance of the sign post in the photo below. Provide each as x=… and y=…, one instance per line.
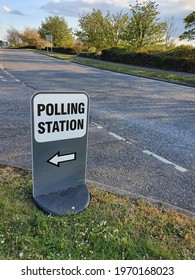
x=49, y=39
x=59, y=144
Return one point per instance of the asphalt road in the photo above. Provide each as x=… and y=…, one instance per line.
x=141, y=132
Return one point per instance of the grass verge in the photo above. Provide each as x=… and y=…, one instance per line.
x=112, y=227
x=186, y=80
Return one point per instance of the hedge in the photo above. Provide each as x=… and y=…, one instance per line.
x=67, y=50
x=145, y=59
x=93, y=55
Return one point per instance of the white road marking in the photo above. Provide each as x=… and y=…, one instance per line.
x=9, y=74
x=116, y=136
x=95, y=123
x=165, y=161
x=98, y=126
x=110, y=133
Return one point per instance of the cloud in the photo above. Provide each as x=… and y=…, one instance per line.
x=72, y=8
x=9, y=11
x=178, y=5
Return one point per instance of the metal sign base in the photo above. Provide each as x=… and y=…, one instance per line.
x=69, y=201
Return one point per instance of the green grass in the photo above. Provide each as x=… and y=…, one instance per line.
x=112, y=227
x=145, y=73
x=127, y=70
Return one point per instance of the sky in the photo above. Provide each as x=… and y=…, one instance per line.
x=23, y=13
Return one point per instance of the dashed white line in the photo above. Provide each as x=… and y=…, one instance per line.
x=94, y=123
x=3, y=79
x=98, y=126
x=111, y=133
x=165, y=161
x=9, y=74
x=116, y=136
x=128, y=142
x=145, y=151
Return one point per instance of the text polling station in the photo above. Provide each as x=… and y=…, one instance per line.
x=61, y=119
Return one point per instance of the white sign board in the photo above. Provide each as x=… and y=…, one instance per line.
x=60, y=119
x=48, y=38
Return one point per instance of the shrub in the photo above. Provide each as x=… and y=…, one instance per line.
x=113, y=54
x=145, y=59
x=67, y=50
x=93, y=55
x=185, y=51
x=71, y=50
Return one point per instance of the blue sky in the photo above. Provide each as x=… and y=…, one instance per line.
x=23, y=13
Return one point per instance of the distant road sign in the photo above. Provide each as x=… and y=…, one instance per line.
x=49, y=37
x=59, y=143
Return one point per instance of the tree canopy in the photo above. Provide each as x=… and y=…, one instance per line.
x=140, y=30
x=189, y=24
x=101, y=31
x=144, y=28
x=13, y=36
x=91, y=33
x=58, y=28
x=28, y=37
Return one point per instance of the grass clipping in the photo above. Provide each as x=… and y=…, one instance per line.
x=112, y=227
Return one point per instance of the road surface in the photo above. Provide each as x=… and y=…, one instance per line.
x=142, y=132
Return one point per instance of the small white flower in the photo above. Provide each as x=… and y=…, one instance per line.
x=21, y=254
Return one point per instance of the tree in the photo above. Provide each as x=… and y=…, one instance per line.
x=144, y=29
x=91, y=33
x=169, y=33
x=13, y=36
x=189, y=24
x=101, y=31
x=30, y=37
x=114, y=28
x=58, y=28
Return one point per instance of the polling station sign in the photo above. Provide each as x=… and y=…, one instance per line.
x=57, y=119
x=59, y=149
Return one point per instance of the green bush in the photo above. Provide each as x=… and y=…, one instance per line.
x=71, y=50
x=145, y=59
x=113, y=54
x=93, y=55
x=184, y=51
x=67, y=50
